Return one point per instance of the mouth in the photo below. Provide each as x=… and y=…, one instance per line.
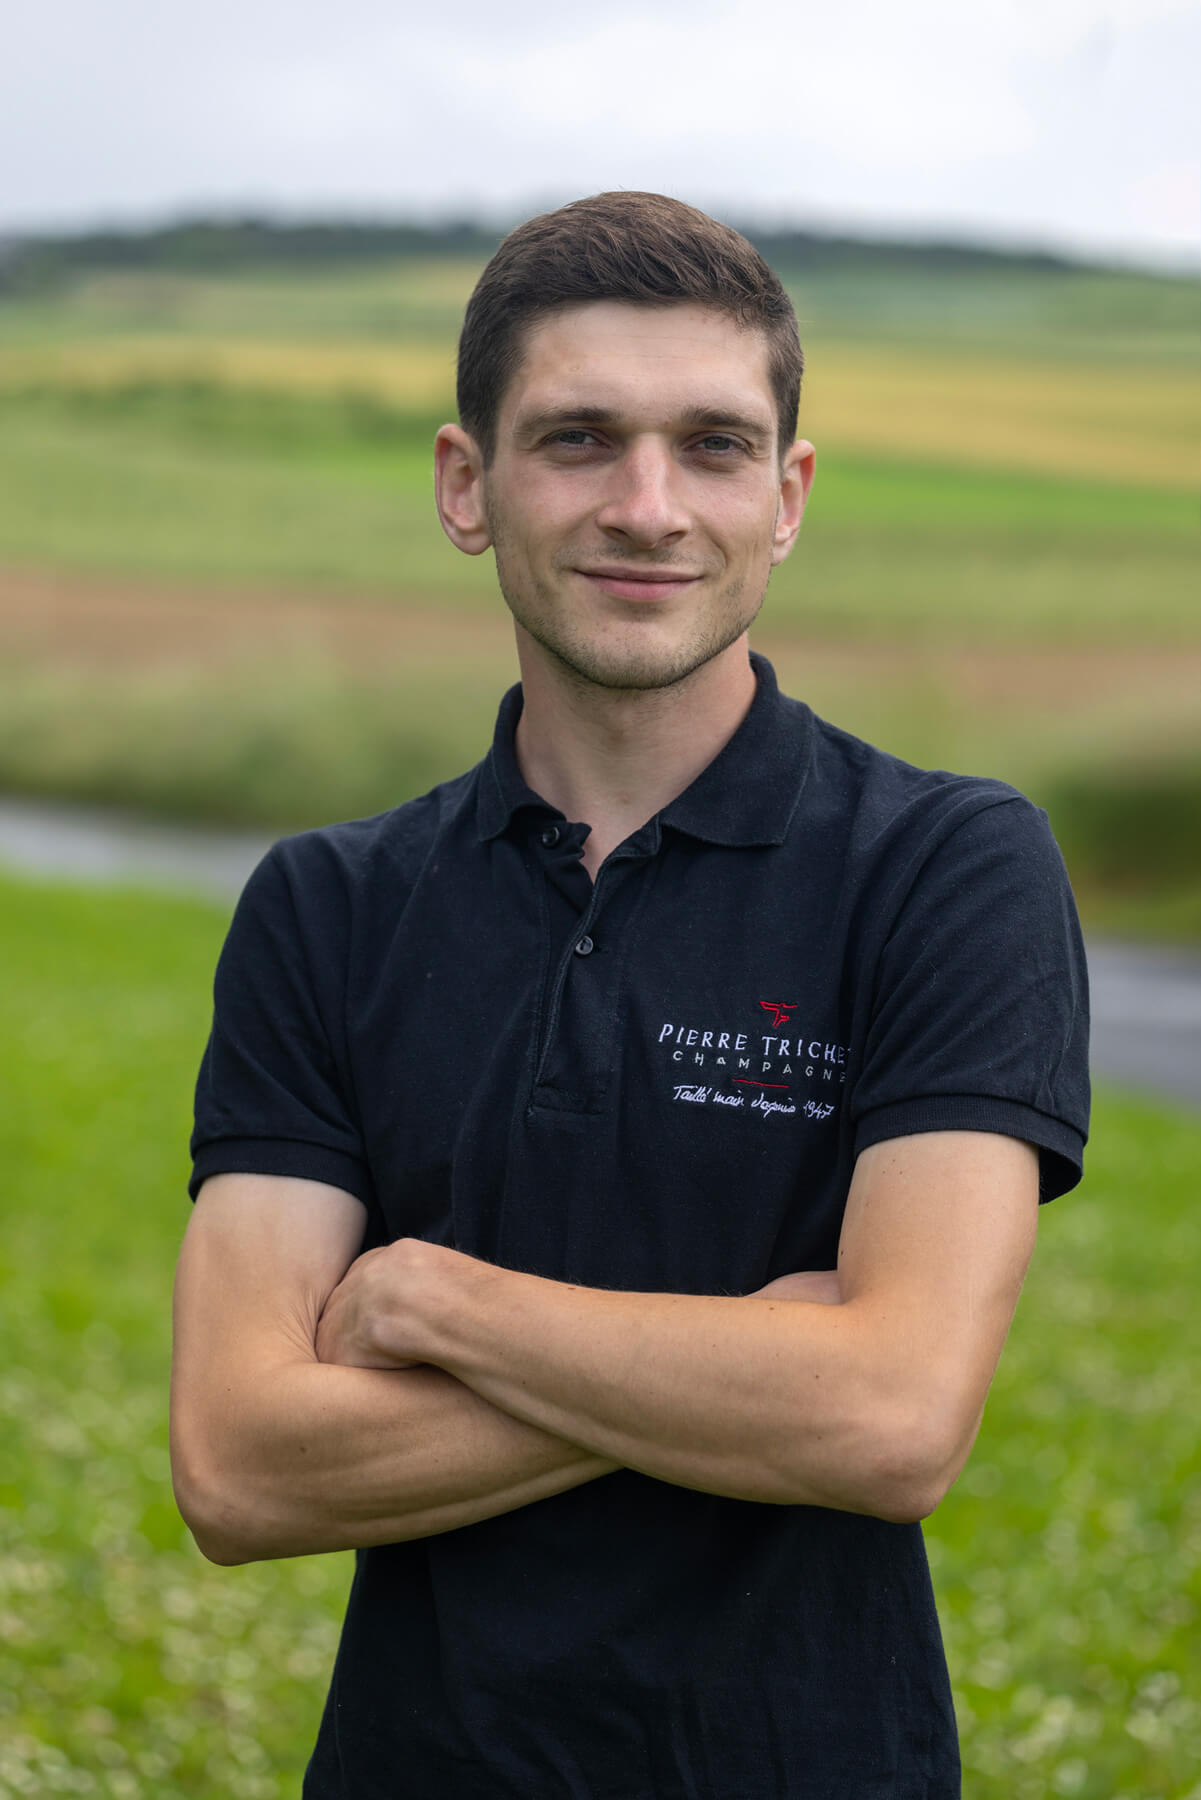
x=642, y=584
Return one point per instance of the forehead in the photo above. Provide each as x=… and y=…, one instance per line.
x=634, y=359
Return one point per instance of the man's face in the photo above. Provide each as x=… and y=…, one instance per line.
x=636, y=500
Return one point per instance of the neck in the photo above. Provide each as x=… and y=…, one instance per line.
x=613, y=757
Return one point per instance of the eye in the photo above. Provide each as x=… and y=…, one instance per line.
x=718, y=443
x=572, y=437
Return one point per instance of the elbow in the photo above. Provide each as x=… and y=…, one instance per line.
x=215, y=1512
x=907, y=1497
x=896, y=1491
x=220, y=1544
x=910, y=1468
x=897, y=1468
x=214, y=1524
x=225, y=1552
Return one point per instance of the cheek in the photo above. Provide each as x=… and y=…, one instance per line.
x=535, y=522
x=746, y=533
x=742, y=513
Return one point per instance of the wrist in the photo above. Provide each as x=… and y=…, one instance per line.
x=434, y=1292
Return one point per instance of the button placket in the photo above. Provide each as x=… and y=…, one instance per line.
x=582, y=946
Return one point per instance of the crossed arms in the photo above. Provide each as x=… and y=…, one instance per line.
x=323, y=1400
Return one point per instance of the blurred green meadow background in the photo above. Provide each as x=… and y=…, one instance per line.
x=224, y=596
x=1067, y=1560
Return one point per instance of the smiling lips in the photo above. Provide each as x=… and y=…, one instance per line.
x=653, y=584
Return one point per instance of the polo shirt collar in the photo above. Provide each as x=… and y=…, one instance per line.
x=745, y=796
x=503, y=790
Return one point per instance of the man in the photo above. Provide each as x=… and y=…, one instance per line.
x=539, y=1114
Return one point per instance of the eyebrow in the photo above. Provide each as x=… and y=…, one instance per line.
x=693, y=418
x=714, y=418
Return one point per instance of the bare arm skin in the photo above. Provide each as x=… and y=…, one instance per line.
x=276, y=1454
x=870, y=1406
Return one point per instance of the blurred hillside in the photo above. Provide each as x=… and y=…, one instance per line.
x=37, y=260
x=223, y=590
x=978, y=293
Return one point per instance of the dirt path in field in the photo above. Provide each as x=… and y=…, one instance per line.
x=68, y=621
x=125, y=624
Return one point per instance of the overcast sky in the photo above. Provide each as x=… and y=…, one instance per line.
x=1068, y=123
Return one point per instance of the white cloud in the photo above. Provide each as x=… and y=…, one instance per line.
x=1069, y=119
x=724, y=93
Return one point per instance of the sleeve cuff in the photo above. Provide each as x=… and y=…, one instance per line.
x=282, y=1156
x=1060, y=1146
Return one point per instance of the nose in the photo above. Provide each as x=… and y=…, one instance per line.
x=644, y=503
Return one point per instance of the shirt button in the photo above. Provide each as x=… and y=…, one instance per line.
x=550, y=836
x=585, y=947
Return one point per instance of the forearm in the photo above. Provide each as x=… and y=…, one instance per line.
x=870, y=1405
x=318, y=1457
x=759, y=1399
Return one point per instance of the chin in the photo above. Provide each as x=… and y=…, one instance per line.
x=635, y=666
x=633, y=671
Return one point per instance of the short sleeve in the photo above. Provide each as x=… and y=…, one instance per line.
x=272, y=1097
x=979, y=1015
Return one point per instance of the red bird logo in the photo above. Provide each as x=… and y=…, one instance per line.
x=779, y=1010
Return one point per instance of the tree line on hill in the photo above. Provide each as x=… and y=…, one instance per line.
x=37, y=263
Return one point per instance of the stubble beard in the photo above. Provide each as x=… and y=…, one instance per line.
x=634, y=666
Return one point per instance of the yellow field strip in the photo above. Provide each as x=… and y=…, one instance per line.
x=1096, y=422
x=411, y=376
x=1090, y=421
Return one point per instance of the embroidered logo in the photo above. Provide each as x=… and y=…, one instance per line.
x=780, y=1010
x=772, y=1066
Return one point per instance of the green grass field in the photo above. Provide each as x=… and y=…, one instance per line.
x=993, y=463
x=1061, y=312
x=1068, y=1560
x=998, y=571
x=910, y=549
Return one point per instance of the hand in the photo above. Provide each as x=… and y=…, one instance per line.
x=818, y=1286
x=383, y=1314
x=378, y=1315
x=349, y=1329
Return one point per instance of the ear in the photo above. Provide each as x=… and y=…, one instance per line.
x=459, y=490
x=795, y=482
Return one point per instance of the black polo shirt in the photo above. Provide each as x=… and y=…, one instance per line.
x=657, y=1082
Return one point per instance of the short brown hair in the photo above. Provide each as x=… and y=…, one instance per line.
x=645, y=248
